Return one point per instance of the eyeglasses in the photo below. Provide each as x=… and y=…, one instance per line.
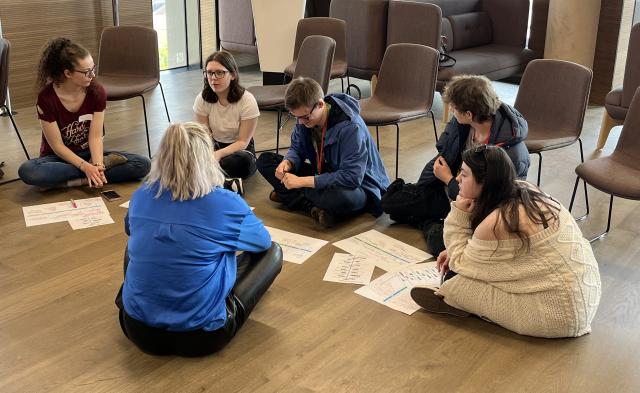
x=217, y=74
x=305, y=117
x=88, y=73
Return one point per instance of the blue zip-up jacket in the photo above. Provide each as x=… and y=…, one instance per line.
x=349, y=151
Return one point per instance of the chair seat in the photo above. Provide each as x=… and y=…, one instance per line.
x=616, y=174
x=376, y=112
x=270, y=96
x=124, y=87
x=542, y=139
x=338, y=69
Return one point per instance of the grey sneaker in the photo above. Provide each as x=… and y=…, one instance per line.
x=235, y=185
x=427, y=299
x=113, y=159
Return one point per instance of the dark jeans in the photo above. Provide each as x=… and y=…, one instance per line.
x=239, y=164
x=256, y=272
x=52, y=171
x=416, y=204
x=338, y=201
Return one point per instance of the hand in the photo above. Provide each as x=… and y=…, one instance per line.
x=465, y=204
x=442, y=262
x=284, y=167
x=292, y=181
x=216, y=155
x=95, y=175
x=441, y=170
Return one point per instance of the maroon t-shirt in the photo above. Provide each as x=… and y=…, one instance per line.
x=74, y=126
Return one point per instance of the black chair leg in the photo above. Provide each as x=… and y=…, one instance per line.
x=573, y=195
x=146, y=126
x=586, y=196
x=377, y=139
x=278, y=131
x=603, y=234
x=15, y=127
x=342, y=85
x=397, y=146
x=433, y=120
x=539, y=168
x=165, y=102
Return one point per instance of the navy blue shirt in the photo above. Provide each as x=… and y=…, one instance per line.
x=182, y=262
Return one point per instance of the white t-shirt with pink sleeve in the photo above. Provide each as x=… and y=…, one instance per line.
x=224, y=121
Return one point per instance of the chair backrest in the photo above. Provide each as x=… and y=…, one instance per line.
x=130, y=51
x=632, y=67
x=415, y=23
x=315, y=58
x=408, y=76
x=553, y=95
x=237, y=31
x=329, y=27
x=4, y=69
x=629, y=140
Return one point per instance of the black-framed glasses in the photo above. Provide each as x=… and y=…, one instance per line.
x=305, y=117
x=217, y=74
x=88, y=73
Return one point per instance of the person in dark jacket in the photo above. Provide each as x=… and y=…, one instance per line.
x=344, y=175
x=479, y=118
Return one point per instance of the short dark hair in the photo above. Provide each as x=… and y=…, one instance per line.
x=235, y=89
x=301, y=92
x=473, y=93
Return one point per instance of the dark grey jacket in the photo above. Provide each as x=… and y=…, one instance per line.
x=509, y=130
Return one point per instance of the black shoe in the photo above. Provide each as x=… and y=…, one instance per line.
x=325, y=218
x=235, y=185
x=427, y=299
x=274, y=197
x=433, y=234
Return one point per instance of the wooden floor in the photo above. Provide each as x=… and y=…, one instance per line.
x=59, y=329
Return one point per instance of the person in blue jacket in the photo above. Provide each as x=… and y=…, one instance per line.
x=185, y=292
x=479, y=118
x=344, y=175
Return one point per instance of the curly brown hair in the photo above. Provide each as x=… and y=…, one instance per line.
x=58, y=55
x=473, y=93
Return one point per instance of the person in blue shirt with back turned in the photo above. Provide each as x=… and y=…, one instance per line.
x=332, y=169
x=185, y=293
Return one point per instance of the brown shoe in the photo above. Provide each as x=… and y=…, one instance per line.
x=114, y=159
x=273, y=197
x=427, y=299
x=325, y=218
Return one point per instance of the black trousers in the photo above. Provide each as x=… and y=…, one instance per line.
x=240, y=164
x=415, y=204
x=256, y=273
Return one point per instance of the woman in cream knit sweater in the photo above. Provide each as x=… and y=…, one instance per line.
x=520, y=258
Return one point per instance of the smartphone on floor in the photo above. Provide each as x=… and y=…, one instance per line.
x=110, y=195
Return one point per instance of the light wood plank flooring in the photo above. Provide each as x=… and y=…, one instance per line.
x=59, y=329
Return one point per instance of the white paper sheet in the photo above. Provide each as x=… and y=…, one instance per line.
x=125, y=205
x=64, y=211
x=295, y=248
x=90, y=221
x=393, y=289
x=388, y=253
x=350, y=269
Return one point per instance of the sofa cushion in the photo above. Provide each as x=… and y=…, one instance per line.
x=485, y=59
x=471, y=29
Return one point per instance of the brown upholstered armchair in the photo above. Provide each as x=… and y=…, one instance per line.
x=618, y=100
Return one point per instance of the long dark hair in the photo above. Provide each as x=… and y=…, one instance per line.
x=235, y=89
x=492, y=167
x=58, y=55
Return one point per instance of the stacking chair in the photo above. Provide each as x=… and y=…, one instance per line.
x=405, y=89
x=128, y=65
x=330, y=27
x=619, y=173
x=414, y=23
x=553, y=98
x=314, y=61
x=5, y=47
x=617, y=101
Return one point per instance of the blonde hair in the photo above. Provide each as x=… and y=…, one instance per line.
x=185, y=164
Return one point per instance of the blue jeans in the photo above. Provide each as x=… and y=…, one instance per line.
x=341, y=202
x=52, y=171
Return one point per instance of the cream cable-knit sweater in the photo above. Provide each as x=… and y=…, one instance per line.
x=553, y=290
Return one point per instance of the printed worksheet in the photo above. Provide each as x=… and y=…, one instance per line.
x=295, y=248
x=81, y=211
x=350, y=269
x=388, y=253
x=393, y=288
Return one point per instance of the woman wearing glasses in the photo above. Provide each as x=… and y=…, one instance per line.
x=520, y=258
x=231, y=114
x=71, y=108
